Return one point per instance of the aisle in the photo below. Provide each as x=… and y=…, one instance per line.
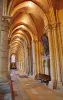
x=19, y=93
x=29, y=89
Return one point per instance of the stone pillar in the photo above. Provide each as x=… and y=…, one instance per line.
x=59, y=30
x=21, y=59
x=52, y=58
x=29, y=60
x=34, y=59
x=35, y=54
x=46, y=66
x=26, y=69
x=1, y=9
x=43, y=67
x=60, y=49
x=40, y=50
x=4, y=51
x=57, y=56
x=9, y=61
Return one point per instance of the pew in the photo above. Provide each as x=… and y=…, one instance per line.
x=43, y=77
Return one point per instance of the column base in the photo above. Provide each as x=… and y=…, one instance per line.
x=5, y=91
x=59, y=86
x=22, y=73
x=31, y=76
x=52, y=85
x=4, y=76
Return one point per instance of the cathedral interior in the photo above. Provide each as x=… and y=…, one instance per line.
x=31, y=49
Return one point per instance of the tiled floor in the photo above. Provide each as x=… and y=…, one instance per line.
x=30, y=89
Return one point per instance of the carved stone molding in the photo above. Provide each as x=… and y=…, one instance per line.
x=52, y=27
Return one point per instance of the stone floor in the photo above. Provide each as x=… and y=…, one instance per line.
x=30, y=89
x=5, y=91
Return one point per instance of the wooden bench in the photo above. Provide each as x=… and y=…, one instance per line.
x=43, y=77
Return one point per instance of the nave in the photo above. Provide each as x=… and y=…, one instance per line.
x=31, y=43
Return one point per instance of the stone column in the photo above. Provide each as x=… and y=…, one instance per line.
x=9, y=60
x=60, y=49
x=46, y=66
x=35, y=54
x=1, y=9
x=52, y=59
x=60, y=41
x=18, y=63
x=21, y=60
x=56, y=50
x=26, y=69
x=34, y=59
x=4, y=51
x=40, y=50
x=29, y=60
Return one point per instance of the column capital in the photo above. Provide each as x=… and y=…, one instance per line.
x=35, y=41
x=8, y=18
x=5, y=23
x=53, y=26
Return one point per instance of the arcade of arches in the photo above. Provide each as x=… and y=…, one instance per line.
x=32, y=31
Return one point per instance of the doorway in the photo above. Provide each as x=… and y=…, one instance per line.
x=13, y=62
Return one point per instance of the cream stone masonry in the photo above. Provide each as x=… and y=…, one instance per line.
x=4, y=50
x=60, y=49
x=53, y=46
x=35, y=54
x=30, y=20
x=34, y=58
x=52, y=59
x=30, y=60
x=56, y=50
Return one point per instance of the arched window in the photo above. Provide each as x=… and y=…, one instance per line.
x=13, y=59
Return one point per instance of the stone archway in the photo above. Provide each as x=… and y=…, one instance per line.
x=13, y=61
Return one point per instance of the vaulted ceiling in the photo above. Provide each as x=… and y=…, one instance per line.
x=28, y=18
